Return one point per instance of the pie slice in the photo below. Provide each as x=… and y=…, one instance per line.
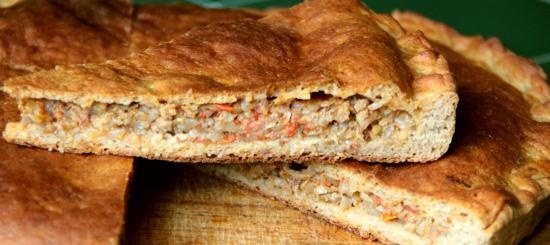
x=52, y=198
x=492, y=187
x=325, y=79
x=47, y=197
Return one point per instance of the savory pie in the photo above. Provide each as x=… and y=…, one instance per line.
x=492, y=187
x=290, y=86
x=46, y=197
x=52, y=198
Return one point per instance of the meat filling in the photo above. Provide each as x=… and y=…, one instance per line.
x=315, y=184
x=345, y=119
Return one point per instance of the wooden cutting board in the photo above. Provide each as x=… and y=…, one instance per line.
x=174, y=204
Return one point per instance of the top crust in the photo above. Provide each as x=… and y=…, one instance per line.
x=522, y=73
x=498, y=166
x=38, y=35
x=153, y=23
x=288, y=54
x=47, y=197
x=114, y=16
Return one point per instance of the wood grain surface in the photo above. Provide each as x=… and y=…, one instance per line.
x=175, y=204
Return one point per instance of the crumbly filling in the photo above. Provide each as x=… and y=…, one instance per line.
x=316, y=184
x=343, y=119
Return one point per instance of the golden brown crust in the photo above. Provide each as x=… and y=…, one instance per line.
x=7, y=72
x=496, y=172
x=37, y=34
x=114, y=16
x=287, y=54
x=340, y=48
x=163, y=22
x=522, y=73
x=499, y=157
x=46, y=197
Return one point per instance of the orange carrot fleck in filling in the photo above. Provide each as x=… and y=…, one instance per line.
x=197, y=139
x=410, y=209
x=224, y=107
x=290, y=129
x=308, y=127
x=378, y=200
x=202, y=115
x=229, y=138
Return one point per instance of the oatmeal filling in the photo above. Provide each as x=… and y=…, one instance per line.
x=344, y=119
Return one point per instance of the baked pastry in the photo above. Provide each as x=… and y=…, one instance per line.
x=112, y=16
x=46, y=197
x=163, y=22
x=51, y=198
x=492, y=187
x=58, y=37
x=289, y=86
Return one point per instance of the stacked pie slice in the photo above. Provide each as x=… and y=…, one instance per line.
x=314, y=97
x=324, y=80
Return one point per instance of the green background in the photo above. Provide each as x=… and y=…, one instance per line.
x=522, y=25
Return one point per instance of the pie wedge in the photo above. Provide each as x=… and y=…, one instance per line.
x=492, y=187
x=323, y=80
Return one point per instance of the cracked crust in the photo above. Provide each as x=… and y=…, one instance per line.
x=496, y=172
